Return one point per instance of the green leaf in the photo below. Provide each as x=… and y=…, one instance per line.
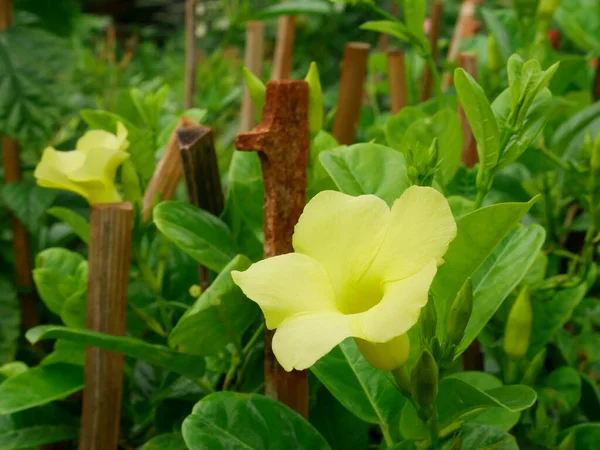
x=482, y=436
x=396, y=126
x=367, y=169
x=481, y=119
x=38, y=386
x=393, y=28
x=28, y=202
x=367, y=392
x=500, y=33
x=187, y=365
x=568, y=138
x=204, y=237
x=478, y=234
x=246, y=189
x=228, y=420
x=561, y=389
x=291, y=8
x=414, y=16
x=167, y=441
x=590, y=398
x=10, y=321
x=317, y=177
x=587, y=435
x=499, y=275
x=80, y=225
x=222, y=312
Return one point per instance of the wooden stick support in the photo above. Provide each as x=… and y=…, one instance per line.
x=468, y=61
x=437, y=16
x=109, y=257
x=284, y=48
x=190, y=53
x=255, y=44
x=352, y=80
x=282, y=142
x=167, y=174
x=397, y=80
x=6, y=14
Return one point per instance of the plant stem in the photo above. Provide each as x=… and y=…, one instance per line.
x=149, y=321
x=248, y=347
x=433, y=430
x=435, y=74
x=479, y=199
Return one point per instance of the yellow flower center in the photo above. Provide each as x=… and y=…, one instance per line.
x=360, y=297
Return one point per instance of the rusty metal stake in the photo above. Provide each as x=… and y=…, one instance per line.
x=282, y=142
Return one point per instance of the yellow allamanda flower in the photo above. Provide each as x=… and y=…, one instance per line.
x=359, y=270
x=90, y=169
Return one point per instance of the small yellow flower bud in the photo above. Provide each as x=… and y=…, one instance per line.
x=518, y=326
x=195, y=291
x=387, y=355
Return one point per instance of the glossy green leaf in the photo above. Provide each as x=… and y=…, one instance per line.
x=367, y=392
x=481, y=436
x=561, y=389
x=228, y=420
x=10, y=321
x=414, y=16
x=586, y=435
x=500, y=274
x=317, y=178
x=80, y=226
x=38, y=386
x=246, y=189
x=188, y=365
x=204, y=237
x=393, y=28
x=397, y=125
x=568, y=137
x=478, y=234
x=167, y=441
x=367, y=169
x=28, y=202
x=222, y=313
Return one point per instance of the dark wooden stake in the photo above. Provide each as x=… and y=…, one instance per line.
x=190, y=52
x=253, y=60
x=397, y=80
x=284, y=48
x=437, y=13
x=201, y=175
x=281, y=140
x=468, y=61
x=109, y=257
x=352, y=80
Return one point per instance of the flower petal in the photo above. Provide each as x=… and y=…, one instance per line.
x=343, y=233
x=303, y=339
x=421, y=227
x=286, y=285
x=94, y=139
x=53, y=169
x=400, y=306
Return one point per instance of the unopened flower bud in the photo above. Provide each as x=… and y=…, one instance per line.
x=518, y=326
x=315, y=100
x=428, y=320
x=424, y=384
x=387, y=355
x=195, y=291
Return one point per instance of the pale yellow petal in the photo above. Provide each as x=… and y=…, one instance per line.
x=399, y=309
x=286, y=285
x=421, y=227
x=303, y=339
x=100, y=166
x=94, y=139
x=343, y=233
x=53, y=169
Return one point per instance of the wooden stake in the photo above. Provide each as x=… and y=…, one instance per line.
x=352, y=80
x=255, y=43
x=468, y=61
x=397, y=80
x=190, y=53
x=6, y=14
x=109, y=257
x=284, y=48
x=437, y=15
x=281, y=140
x=167, y=174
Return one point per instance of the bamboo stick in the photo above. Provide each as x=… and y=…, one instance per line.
x=282, y=142
x=190, y=53
x=284, y=48
x=352, y=80
x=437, y=15
x=109, y=257
x=255, y=42
x=397, y=80
x=468, y=61
x=167, y=174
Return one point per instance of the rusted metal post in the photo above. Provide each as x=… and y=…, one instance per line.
x=253, y=60
x=397, y=80
x=352, y=80
x=437, y=13
x=468, y=61
x=201, y=175
x=109, y=257
x=190, y=52
x=284, y=48
x=281, y=140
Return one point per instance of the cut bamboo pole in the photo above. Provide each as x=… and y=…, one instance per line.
x=108, y=257
x=284, y=48
x=20, y=238
x=468, y=61
x=167, y=174
x=397, y=80
x=281, y=140
x=190, y=53
x=201, y=175
x=352, y=80
x=255, y=45
x=437, y=15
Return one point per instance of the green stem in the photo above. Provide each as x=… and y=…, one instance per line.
x=553, y=157
x=435, y=75
x=154, y=284
x=205, y=385
x=248, y=347
x=433, y=431
x=149, y=321
x=481, y=193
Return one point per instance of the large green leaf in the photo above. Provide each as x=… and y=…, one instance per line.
x=28, y=202
x=561, y=389
x=38, y=386
x=188, y=365
x=167, y=441
x=483, y=436
x=80, y=225
x=367, y=392
x=228, y=420
x=500, y=274
x=569, y=135
x=246, y=189
x=586, y=436
x=204, y=237
x=220, y=316
x=478, y=234
x=397, y=125
x=367, y=169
